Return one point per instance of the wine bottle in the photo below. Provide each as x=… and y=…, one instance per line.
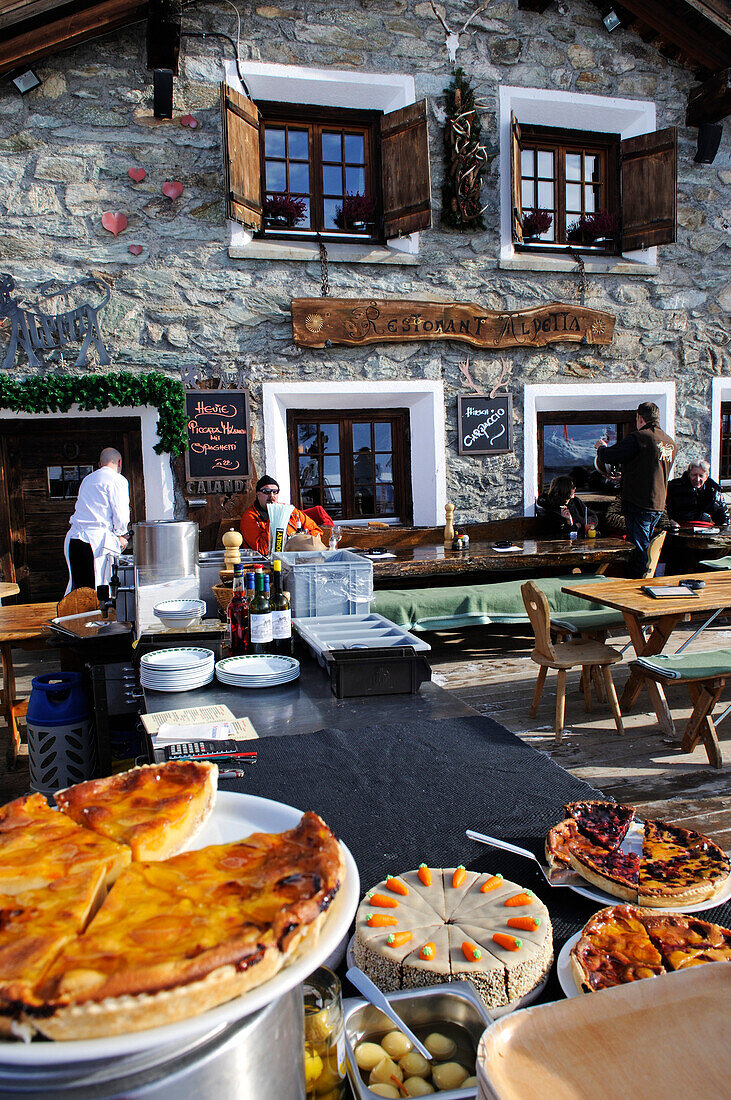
x=236, y=614
x=281, y=614
x=260, y=617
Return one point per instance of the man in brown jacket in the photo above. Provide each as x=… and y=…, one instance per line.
x=646, y=457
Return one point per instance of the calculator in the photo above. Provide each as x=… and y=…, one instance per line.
x=211, y=750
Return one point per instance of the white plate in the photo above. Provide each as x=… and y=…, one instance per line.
x=496, y=1013
x=170, y=681
x=253, y=684
x=564, y=972
x=188, y=686
x=182, y=608
x=235, y=816
x=177, y=659
x=256, y=679
x=258, y=665
x=698, y=907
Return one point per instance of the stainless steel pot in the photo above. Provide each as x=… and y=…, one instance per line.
x=165, y=550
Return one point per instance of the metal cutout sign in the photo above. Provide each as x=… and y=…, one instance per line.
x=35, y=330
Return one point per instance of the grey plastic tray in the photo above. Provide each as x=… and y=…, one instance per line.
x=372, y=631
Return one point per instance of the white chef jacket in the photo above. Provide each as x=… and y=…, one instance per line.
x=100, y=517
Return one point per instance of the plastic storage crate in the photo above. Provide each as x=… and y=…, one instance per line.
x=327, y=582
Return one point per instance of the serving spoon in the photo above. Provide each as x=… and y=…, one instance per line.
x=373, y=994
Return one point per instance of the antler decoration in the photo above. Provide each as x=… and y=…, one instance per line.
x=466, y=158
x=506, y=369
x=452, y=40
x=464, y=370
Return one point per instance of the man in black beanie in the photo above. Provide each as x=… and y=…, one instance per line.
x=255, y=520
x=646, y=457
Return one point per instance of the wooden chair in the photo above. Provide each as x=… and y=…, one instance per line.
x=653, y=553
x=77, y=602
x=591, y=656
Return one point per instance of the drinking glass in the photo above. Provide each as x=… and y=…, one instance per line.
x=324, y=1036
x=335, y=536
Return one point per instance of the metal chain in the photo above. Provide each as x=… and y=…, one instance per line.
x=582, y=280
x=323, y=267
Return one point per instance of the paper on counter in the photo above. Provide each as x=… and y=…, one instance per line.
x=241, y=729
x=171, y=733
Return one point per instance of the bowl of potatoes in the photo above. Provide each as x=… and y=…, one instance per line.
x=382, y=1062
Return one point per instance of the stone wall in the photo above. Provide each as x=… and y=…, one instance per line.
x=184, y=303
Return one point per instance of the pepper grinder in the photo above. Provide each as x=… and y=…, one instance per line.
x=232, y=541
x=449, y=526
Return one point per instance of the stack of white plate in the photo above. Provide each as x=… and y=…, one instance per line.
x=179, y=613
x=257, y=671
x=179, y=669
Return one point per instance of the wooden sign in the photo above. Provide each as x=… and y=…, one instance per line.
x=320, y=322
x=485, y=424
x=218, y=435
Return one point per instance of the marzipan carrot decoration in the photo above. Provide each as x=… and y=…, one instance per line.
x=397, y=886
x=528, y=924
x=399, y=1085
x=459, y=876
x=428, y=951
x=396, y=939
x=491, y=884
x=424, y=874
x=526, y=898
x=510, y=943
x=470, y=952
x=380, y=920
x=382, y=901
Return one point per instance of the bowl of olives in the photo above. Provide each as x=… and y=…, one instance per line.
x=382, y=1062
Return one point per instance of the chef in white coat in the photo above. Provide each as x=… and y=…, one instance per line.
x=99, y=523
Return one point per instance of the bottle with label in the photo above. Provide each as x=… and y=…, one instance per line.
x=236, y=614
x=281, y=614
x=260, y=617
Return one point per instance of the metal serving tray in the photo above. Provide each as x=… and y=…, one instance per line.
x=453, y=1002
x=326, y=633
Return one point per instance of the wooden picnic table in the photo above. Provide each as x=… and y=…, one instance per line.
x=637, y=607
x=415, y=562
x=21, y=625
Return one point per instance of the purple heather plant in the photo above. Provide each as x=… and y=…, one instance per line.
x=285, y=206
x=355, y=208
x=600, y=225
x=536, y=222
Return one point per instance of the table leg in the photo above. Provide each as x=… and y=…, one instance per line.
x=560, y=702
x=649, y=647
x=11, y=708
x=700, y=723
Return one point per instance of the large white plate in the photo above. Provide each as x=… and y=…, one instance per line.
x=603, y=898
x=235, y=816
x=258, y=665
x=176, y=685
x=179, y=608
x=179, y=658
x=564, y=972
x=496, y=1013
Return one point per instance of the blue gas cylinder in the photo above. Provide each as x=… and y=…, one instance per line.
x=61, y=743
x=57, y=699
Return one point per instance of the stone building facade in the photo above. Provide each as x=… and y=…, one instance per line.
x=203, y=299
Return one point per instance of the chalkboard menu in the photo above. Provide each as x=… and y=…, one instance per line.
x=218, y=434
x=485, y=424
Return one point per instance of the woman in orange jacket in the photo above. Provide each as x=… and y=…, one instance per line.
x=255, y=520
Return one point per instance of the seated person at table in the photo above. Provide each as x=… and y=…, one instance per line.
x=561, y=511
x=696, y=496
x=255, y=520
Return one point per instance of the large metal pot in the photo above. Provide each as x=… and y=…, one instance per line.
x=165, y=549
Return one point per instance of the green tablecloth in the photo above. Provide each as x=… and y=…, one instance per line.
x=690, y=666
x=438, y=608
x=718, y=563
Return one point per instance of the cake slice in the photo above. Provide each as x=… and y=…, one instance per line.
x=604, y=823
x=469, y=961
x=428, y=963
x=684, y=940
x=157, y=809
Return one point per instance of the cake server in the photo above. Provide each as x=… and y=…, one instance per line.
x=554, y=876
x=373, y=994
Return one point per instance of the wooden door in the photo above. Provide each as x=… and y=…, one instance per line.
x=40, y=467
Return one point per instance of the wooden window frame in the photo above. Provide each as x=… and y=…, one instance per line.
x=561, y=142
x=345, y=418
x=724, y=450
x=315, y=119
x=626, y=420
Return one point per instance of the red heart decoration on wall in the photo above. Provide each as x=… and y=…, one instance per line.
x=114, y=222
x=137, y=174
x=135, y=249
x=172, y=189
x=189, y=120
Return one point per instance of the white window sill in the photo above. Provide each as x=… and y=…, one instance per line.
x=595, y=265
x=336, y=253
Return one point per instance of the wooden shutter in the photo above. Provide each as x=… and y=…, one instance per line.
x=649, y=169
x=241, y=158
x=516, y=144
x=405, y=176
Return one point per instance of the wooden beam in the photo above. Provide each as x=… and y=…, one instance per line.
x=60, y=34
x=710, y=50
x=710, y=102
x=22, y=11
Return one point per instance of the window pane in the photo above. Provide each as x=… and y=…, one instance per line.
x=331, y=206
x=592, y=167
x=545, y=164
x=309, y=471
x=384, y=500
x=274, y=142
x=363, y=466
x=276, y=175
x=355, y=180
x=383, y=436
x=332, y=180
x=573, y=166
x=331, y=146
x=299, y=178
x=568, y=445
x=304, y=222
x=362, y=435
x=589, y=200
x=299, y=146
x=306, y=434
x=354, y=148
x=384, y=467
x=527, y=162
x=573, y=197
x=527, y=195
x=545, y=195
x=332, y=469
x=330, y=438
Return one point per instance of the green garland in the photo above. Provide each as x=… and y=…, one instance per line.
x=57, y=393
x=465, y=157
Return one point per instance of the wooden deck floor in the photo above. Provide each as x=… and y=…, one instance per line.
x=492, y=672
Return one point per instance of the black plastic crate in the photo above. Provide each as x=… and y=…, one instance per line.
x=394, y=670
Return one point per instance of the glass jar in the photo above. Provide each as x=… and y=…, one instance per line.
x=324, y=1036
